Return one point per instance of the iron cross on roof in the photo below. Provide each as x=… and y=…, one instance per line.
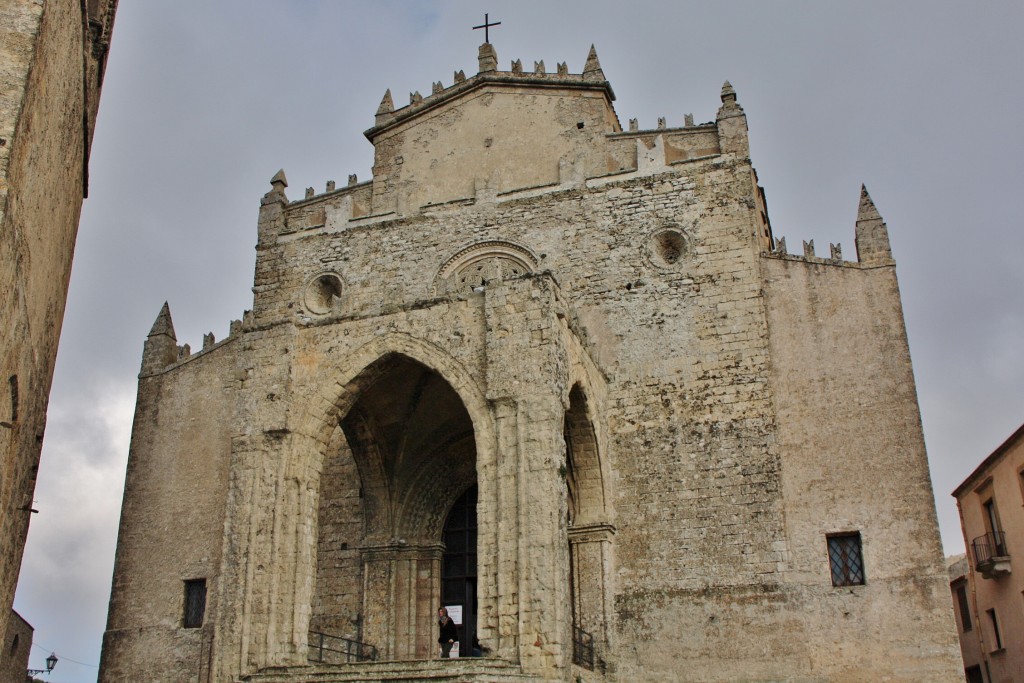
x=486, y=26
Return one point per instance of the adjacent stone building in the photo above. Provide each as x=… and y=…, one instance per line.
x=558, y=376
x=16, y=649
x=987, y=597
x=52, y=58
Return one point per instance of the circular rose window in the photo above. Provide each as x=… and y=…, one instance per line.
x=323, y=293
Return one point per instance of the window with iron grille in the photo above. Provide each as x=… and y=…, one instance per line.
x=846, y=559
x=195, y=603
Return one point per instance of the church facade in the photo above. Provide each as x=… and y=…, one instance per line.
x=559, y=377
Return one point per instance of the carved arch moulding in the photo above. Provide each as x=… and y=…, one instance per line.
x=474, y=265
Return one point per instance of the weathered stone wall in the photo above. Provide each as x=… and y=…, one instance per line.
x=172, y=516
x=51, y=65
x=853, y=459
x=442, y=156
x=338, y=602
x=630, y=361
x=17, y=646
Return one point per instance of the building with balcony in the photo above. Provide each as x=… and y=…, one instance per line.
x=987, y=595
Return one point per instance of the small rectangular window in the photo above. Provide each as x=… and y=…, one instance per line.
x=964, y=607
x=12, y=382
x=195, y=603
x=846, y=559
x=997, y=638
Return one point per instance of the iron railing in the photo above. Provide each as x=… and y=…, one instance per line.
x=325, y=648
x=582, y=648
x=987, y=547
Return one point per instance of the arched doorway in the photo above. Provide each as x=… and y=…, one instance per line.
x=458, y=570
x=402, y=455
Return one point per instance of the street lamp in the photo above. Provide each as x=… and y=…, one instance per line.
x=51, y=662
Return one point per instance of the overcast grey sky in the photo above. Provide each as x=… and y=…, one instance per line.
x=205, y=101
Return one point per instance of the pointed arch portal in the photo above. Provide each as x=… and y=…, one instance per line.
x=400, y=463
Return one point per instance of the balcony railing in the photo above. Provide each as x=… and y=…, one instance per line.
x=325, y=648
x=991, y=557
x=582, y=648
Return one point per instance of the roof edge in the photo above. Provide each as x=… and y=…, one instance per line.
x=987, y=462
x=500, y=78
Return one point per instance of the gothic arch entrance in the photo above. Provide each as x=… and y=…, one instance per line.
x=400, y=459
x=458, y=572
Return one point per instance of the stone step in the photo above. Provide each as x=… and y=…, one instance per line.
x=465, y=670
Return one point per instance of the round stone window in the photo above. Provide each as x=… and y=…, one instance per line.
x=323, y=293
x=668, y=247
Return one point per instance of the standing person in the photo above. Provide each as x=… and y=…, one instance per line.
x=449, y=633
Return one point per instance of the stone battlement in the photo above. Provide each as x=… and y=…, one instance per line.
x=422, y=159
x=592, y=77
x=871, y=240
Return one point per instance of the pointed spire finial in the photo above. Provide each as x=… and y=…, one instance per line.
x=871, y=236
x=592, y=69
x=276, y=194
x=728, y=92
x=867, y=211
x=387, y=105
x=163, y=323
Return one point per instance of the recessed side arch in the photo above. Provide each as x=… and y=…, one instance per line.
x=585, y=477
x=590, y=531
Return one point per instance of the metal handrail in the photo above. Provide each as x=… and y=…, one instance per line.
x=989, y=546
x=326, y=648
x=582, y=648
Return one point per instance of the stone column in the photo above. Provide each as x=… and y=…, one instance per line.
x=544, y=616
x=526, y=381
x=400, y=587
x=591, y=548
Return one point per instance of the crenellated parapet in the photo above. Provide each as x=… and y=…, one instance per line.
x=592, y=77
x=161, y=350
x=871, y=238
x=520, y=132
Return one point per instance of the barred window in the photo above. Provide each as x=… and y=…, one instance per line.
x=846, y=559
x=195, y=603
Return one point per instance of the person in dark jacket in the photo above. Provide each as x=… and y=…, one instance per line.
x=449, y=633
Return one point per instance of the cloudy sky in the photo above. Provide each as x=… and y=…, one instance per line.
x=205, y=101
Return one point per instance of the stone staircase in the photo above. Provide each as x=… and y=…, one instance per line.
x=466, y=670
